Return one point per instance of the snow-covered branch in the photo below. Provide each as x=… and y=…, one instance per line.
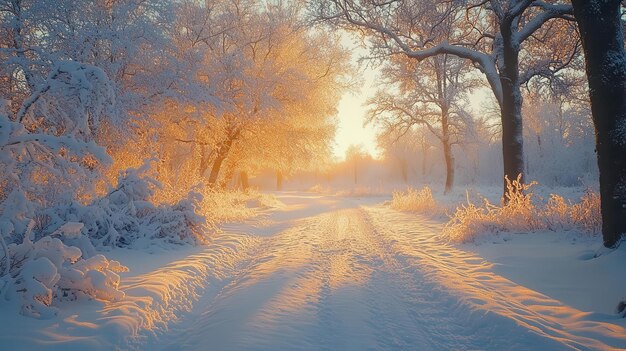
x=548, y=12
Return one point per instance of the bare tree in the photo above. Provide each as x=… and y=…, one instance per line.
x=428, y=94
x=355, y=154
x=493, y=34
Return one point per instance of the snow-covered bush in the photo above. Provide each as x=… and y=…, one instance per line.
x=471, y=220
x=585, y=216
x=522, y=213
x=224, y=206
x=42, y=173
x=123, y=217
x=126, y=216
x=413, y=200
x=519, y=212
x=47, y=152
x=47, y=271
x=47, y=146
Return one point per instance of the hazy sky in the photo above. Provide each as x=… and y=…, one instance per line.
x=351, y=110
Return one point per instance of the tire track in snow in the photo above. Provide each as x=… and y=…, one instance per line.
x=302, y=291
x=223, y=321
x=330, y=283
x=344, y=309
x=485, y=300
x=363, y=279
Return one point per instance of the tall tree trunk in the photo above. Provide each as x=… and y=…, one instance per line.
x=447, y=150
x=511, y=109
x=602, y=35
x=279, y=180
x=215, y=169
x=447, y=153
x=222, y=153
x=243, y=177
x=355, y=171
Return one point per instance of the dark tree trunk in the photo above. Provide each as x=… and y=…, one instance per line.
x=222, y=152
x=602, y=35
x=355, y=171
x=215, y=169
x=447, y=151
x=279, y=180
x=511, y=108
x=243, y=177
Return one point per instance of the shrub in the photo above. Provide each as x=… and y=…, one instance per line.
x=126, y=216
x=420, y=201
x=469, y=220
x=583, y=216
x=227, y=206
x=521, y=214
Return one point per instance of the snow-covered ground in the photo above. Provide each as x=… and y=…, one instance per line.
x=560, y=265
x=328, y=272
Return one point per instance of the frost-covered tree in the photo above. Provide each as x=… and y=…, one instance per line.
x=133, y=42
x=47, y=144
x=298, y=136
x=355, y=157
x=601, y=27
x=430, y=94
x=269, y=90
x=73, y=74
x=558, y=132
x=401, y=148
x=279, y=85
x=288, y=144
x=130, y=40
x=506, y=40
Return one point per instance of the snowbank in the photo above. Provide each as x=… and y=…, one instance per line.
x=147, y=304
x=44, y=273
x=561, y=265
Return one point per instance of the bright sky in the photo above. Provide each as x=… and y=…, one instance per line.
x=352, y=111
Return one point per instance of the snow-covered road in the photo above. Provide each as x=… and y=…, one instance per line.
x=319, y=273
x=339, y=275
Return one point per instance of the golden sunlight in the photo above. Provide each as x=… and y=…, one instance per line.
x=352, y=110
x=312, y=175
x=351, y=127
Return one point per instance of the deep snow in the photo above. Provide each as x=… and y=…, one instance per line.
x=328, y=272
